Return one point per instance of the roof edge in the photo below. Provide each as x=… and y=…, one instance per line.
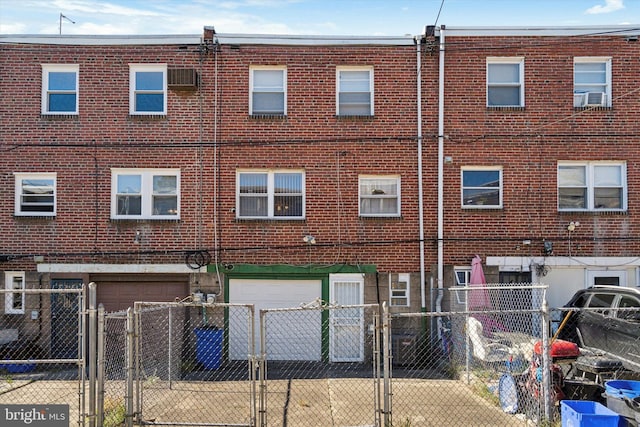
x=86, y=40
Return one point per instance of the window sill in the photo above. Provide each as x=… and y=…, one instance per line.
x=593, y=213
x=380, y=217
x=60, y=116
x=594, y=107
x=356, y=118
x=142, y=220
x=267, y=117
x=35, y=217
x=270, y=219
x=147, y=117
x=505, y=108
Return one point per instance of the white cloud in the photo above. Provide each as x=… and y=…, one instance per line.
x=609, y=6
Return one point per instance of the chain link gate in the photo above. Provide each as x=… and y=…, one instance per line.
x=485, y=362
x=190, y=363
x=42, y=353
x=320, y=365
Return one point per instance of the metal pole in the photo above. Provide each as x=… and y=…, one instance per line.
x=170, y=346
x=546, y=363
x=386, y=345
x=101, y=366
x=263, y=370
x=92, y=353
x=130, y=369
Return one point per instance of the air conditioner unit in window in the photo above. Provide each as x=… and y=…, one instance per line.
x=182, y=78
x=596, y=98
x=579, y=99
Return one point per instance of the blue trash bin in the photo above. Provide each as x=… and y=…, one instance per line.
x=209, y=347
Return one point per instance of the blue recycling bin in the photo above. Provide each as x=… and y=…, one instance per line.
x=209, y=347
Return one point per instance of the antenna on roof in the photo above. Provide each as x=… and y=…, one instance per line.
x=65, y=17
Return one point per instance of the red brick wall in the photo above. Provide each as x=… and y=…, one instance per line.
x=528, y=143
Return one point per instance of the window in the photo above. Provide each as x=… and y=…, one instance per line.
x=379, y=196
x=14, y=301
x=399, y=290
x=593, y=186
x=505, y=82
x=145, y=194
x=463, y=277
x=270, y=194
x=481, y=188
x=60, y=89
x=35, y=194
x=268, y=91
x=591, y=81
x=354, y=91
x=147, y=89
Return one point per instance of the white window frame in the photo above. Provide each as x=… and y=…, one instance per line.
x=59, y=68
x=19, y=178
x=9, y=299
x=274, y=90
x=520, y=83
x=133, y=91
x=593, y=274
x=606, y=86
x=147, y=195
x=500, y=187
x=590, y=186
x=271, y=173
x=461, y=296
x=339, y=71
x=380, y=197
x=399, y=293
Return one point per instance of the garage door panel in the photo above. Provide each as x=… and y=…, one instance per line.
x=290, y=335
x=120, y=292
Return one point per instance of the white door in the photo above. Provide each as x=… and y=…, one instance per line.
x=290, y=335
x=346, y=325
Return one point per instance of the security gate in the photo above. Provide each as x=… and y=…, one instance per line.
x=323, y=390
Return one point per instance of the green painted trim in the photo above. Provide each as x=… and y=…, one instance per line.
x=248, y=269
x=287, y=272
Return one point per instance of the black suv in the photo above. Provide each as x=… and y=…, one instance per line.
x=609, y=320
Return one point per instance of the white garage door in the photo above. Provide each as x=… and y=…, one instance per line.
x=290, y=336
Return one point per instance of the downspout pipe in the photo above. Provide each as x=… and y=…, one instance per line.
x=441, y=81
x=423, y=299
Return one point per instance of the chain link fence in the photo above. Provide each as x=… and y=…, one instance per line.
x=193, y=363
x=474, y=365
x=498, y=356
x=41, y=351
x=321, y=366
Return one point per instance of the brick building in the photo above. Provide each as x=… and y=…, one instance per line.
x=539, y=155
x=276, y=170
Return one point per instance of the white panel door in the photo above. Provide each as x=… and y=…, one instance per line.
x=346, y=325
x=290, y=335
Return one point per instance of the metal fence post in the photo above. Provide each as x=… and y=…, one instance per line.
x=92, y=353
x=546, y=363
x=386, y=340
x=101, y=367
x=130, y=369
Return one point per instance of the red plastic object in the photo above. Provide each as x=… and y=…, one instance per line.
x=560, y=349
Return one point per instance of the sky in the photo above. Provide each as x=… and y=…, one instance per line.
x=306, y=17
